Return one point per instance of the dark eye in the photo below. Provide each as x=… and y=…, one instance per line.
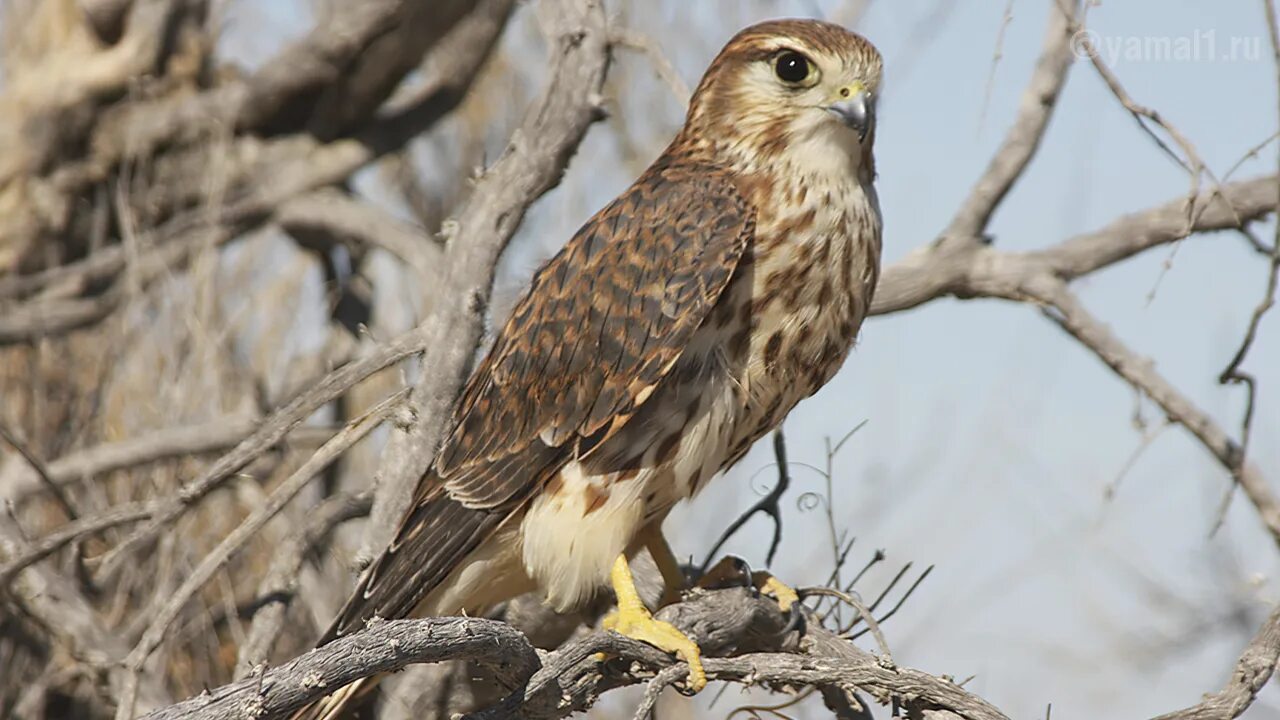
x=792, y=67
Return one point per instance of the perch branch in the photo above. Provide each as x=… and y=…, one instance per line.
x=570, y=679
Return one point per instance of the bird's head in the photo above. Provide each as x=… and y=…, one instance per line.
x=790, y=85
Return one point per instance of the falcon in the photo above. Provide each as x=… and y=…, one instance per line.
x=678, y=326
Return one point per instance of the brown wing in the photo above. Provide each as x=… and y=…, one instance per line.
x=601, y=324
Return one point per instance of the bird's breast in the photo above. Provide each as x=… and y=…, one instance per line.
x=809, y=281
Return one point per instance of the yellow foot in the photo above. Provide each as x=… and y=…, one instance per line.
x=769, y=585
x=634, y=621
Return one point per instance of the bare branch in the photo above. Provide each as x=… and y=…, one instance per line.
x=1253, y=670
x=59, y=605
x=278, y=586
x=1233, y=373
x=236, y=540
x=570, y=679
x=41, y=471
x=122, y=514
x=1231, y=206
x=1071, y=316
x=333, y=216
x=1023, y=139
x=272, y=430
x=931, y=272
x=382, y=647
x=19, y=479
x=645, y=45
x=335, y=78
x=272, y=172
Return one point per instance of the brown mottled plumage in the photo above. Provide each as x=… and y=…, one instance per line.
x=678, y=326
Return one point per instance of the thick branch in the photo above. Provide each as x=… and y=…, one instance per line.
x=382, y=647
x=751, y=629
x=332, y=81
x=934, y=271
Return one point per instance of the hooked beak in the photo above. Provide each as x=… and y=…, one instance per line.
x=857, y=112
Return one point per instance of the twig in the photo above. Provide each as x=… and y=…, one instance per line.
x=61, y=606
x=272, y=430
x=1252, y=671
x=1072, y=317
x=161, y=444
x=277, y=588
x=896, y=606
x=1192, y=163
x=1232, y=373
x=769, y=505
x=122, y=514
x=1148, y=436
x=634, y=40
x=1005, y=19
x=1022, y=140
x=653, y=689
x=851, y=599
x=42, y=472
x=236, y=540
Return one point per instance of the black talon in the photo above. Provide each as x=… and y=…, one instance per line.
x=730, y=571
x=745, y=572
x=795, y=618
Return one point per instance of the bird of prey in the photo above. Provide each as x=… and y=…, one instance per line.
x=677, y=327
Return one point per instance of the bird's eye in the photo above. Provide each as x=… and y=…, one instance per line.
x=792, y=67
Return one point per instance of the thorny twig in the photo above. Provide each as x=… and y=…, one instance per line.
x=1232, y=374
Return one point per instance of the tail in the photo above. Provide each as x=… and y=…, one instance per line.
x=435, y=537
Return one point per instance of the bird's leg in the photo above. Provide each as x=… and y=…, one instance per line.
x=673, y=579
x=732, y=570
x=634, y=620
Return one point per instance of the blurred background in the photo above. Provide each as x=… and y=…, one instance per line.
x=1086, y=555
